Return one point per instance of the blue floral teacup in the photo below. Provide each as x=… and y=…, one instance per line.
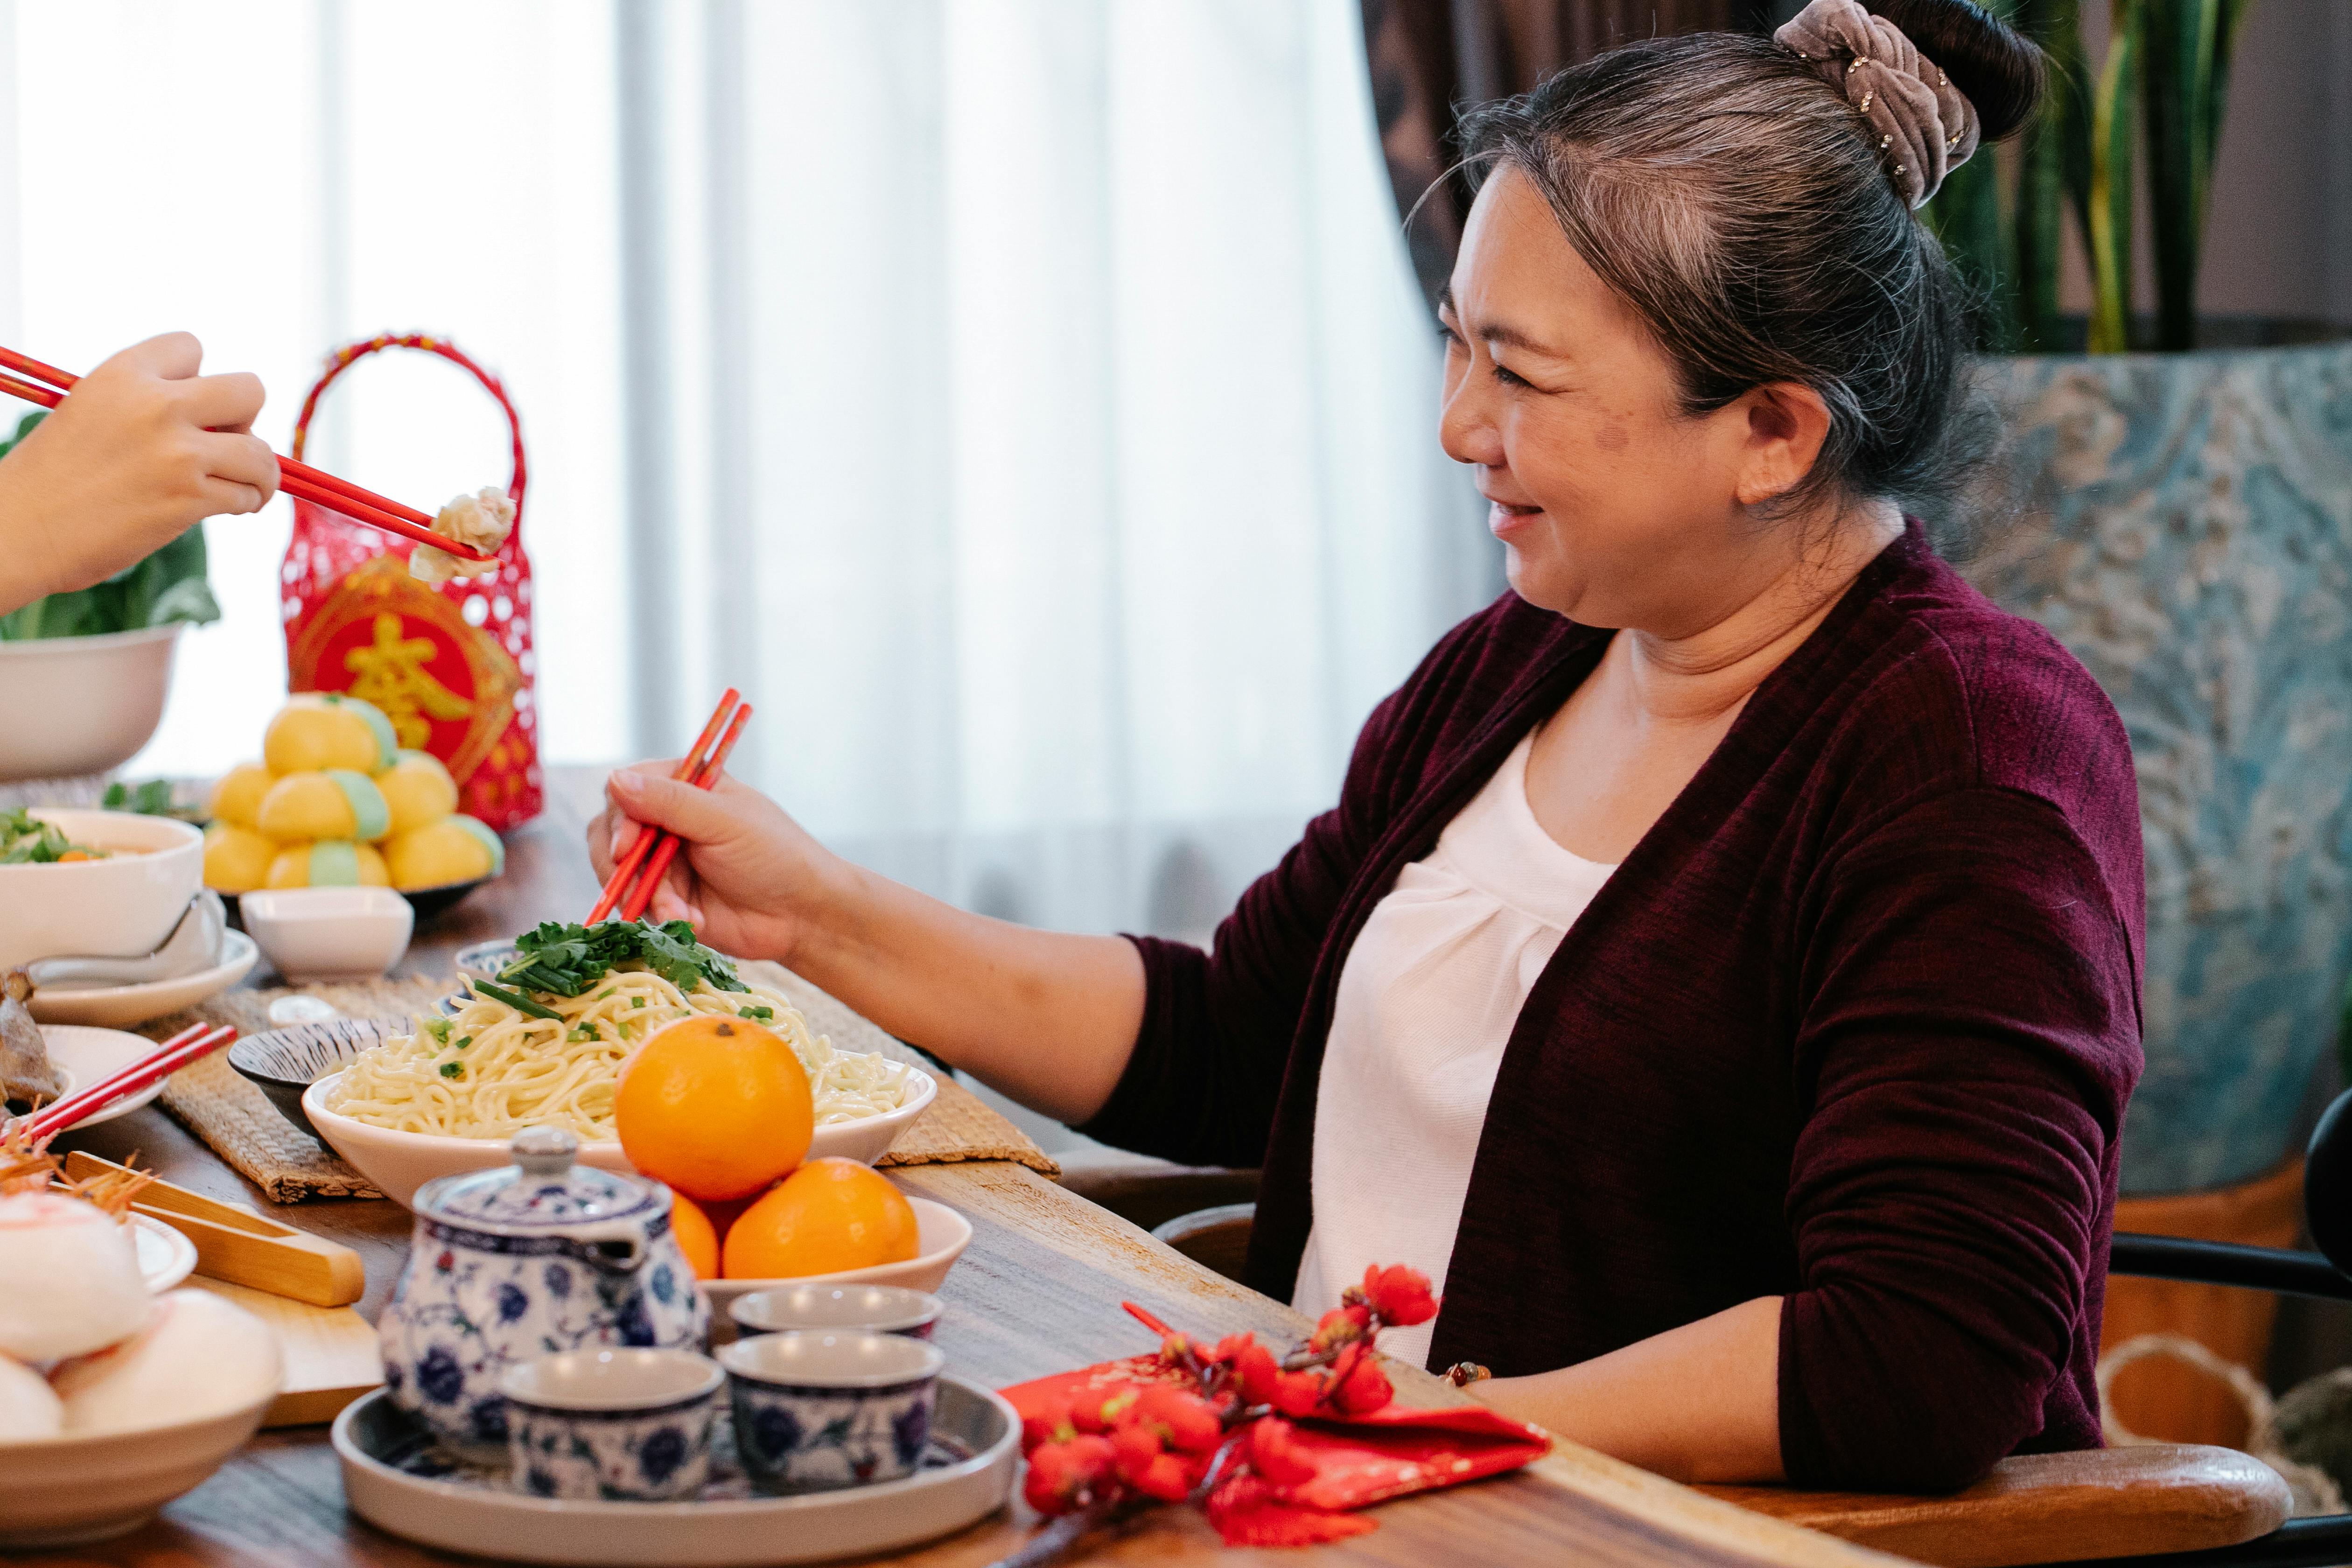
x=615, y=1424
x=819, y=1410
x=885, y=1309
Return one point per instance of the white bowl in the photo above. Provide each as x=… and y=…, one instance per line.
x=121, y=907
x=82, y=705
x=63, y=1491
x=397, y=1163
x=325, y=933
x=941, y=1237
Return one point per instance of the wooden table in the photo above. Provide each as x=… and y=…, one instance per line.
x=1037, y=1292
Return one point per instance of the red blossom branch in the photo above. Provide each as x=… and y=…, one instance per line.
x=1220, y=1437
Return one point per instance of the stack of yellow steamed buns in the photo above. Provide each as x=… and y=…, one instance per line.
x=335, y=802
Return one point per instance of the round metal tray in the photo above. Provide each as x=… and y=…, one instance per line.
x=397, y=1481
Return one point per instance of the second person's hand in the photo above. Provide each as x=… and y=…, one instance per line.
x=142, y=448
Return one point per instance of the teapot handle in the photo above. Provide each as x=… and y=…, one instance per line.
x=616, y=1244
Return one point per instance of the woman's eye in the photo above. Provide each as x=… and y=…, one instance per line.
x=1509, y=378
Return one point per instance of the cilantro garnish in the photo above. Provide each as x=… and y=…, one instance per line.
x=567, y=960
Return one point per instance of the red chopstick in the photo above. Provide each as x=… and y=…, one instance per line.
x=616, y=886
x=191, y=1044
x=666, y=851
x=81, y=1096
x=313, y=485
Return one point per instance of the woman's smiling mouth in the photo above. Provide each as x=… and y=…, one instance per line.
x=1503, y=518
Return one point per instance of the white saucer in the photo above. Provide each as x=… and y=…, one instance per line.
x=89, y=1054
x=166, y=1257
x=121, y=1006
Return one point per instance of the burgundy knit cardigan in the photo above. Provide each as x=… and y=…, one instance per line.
x=1853, y=1025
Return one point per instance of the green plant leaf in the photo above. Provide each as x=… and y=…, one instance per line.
x=1965, y=214
x=2053, y=165
x=2182, y=39
x=167, y=585
x=190, y=599
x=2110, y=204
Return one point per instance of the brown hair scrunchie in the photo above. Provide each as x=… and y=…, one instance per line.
x=1926, y=126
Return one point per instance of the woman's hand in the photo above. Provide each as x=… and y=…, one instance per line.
x=1048, y=1018
x=142, y=448
x=750, y=878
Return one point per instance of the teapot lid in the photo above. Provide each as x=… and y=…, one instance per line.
x=543, y=1190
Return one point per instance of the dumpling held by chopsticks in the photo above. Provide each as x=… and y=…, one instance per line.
x=482, y=519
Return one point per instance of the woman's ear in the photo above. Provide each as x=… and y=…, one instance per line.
x=1787, y=424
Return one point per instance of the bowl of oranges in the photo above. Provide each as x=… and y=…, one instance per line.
x=721, y=1113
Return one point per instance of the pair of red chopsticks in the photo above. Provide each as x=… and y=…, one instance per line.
x=642, y=869
x=191, y=1044
x=314, y=485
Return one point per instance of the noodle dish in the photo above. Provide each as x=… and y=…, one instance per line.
x=545, y=1044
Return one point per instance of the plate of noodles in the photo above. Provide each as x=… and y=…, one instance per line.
x=405, y=1101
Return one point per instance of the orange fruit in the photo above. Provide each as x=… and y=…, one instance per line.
x=697, y=1237
x=716, y=1107
x=828, y=1216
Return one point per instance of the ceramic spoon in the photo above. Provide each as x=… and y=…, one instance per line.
x=195, y=944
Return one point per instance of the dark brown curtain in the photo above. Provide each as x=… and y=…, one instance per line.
x=1431, y=57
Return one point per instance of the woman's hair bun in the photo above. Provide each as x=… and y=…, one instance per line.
x=1997, y=70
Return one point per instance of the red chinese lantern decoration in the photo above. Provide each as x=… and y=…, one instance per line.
x=450, y=664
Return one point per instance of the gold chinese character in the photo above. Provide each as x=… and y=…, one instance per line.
x=392, y=676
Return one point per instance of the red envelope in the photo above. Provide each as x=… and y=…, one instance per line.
x=1358, y=1459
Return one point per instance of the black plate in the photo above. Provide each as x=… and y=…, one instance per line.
x=431, y=901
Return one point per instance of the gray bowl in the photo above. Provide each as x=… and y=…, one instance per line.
x=285, y=1062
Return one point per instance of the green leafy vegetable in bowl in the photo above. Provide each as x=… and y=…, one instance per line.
x=27, y=840
x=566, y=960
x=168, y=585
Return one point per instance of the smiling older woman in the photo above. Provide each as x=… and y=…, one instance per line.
x=1720, y=970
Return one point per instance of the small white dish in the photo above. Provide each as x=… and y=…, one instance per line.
x=121, y=906
x=327, y=933
x=86, y=1056
x=885, y=1309
x=122, y=1006
x=65, y=1492
x=166, y=1257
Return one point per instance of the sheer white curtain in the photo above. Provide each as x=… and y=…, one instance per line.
x=1069, y=426
x=281, y=175
x=1024, y=401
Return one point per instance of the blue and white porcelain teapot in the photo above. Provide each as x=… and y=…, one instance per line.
x=526, y=1260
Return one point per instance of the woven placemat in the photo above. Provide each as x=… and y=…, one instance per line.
x=218, y=1105
x=236, y=1120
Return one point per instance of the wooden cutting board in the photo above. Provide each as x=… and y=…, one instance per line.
x=331, y=1353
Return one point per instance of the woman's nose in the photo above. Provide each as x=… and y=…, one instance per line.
x=1465, y=424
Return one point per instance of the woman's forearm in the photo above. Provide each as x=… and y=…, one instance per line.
x=1700, y=1403
x=1046, y=1017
